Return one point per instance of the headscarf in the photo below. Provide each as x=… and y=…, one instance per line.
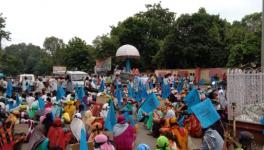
x=101, y=141
x=104, y=110
x=163, y=143
x=88, y=118
x=121, y=119
x=170, y=114
x=76, y=126
x=121, y=126
x=143, y=147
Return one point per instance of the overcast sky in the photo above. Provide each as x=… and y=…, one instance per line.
x=30, y=21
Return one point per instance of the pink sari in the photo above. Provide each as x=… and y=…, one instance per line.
x=124, y=136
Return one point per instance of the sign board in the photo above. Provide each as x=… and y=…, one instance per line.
x=103, y=65
x=59, y=70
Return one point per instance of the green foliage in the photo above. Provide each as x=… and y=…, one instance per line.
x=146, y=31
x=3, y=34
x=52, y=44
x=245, y=41
x=79, y=55
x=22, y=58
x=191, y=40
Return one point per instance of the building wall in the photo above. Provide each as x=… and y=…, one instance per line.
x=200, y=73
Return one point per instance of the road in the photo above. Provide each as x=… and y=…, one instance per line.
x=142, y=137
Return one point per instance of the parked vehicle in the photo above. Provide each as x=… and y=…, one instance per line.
x=77, y=77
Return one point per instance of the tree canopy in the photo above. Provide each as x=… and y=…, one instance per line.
x=163, y=40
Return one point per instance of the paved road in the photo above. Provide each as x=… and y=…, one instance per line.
x=142, y=137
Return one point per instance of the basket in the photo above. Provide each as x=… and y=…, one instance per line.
x=102, y=99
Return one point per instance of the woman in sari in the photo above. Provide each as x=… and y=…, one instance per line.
x=70, y=108
x=181, y=134
x=38, y=140
x=124, y=135
x=163, y=143
x=77, y=125
x=88, y=120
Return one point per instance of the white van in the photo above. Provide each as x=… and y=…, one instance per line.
x=77, y=77
x=30, y=77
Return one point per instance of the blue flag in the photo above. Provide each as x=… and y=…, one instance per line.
x=206, y=113
x=191, y=99
x=102, y=86
x=17, y=100
x=165, y=91
x=143, y=90
x=180, y=86
x=129, y=118
x=110, y=119
x=202, y=82
x=150, y=103
x=130, y=91
x=80, y=93
x=150, y=85
x=41, y=103
x=60, y=93
x=9, y=88
x=128, y=67
x=262, y=120
x=181, y=121
x=83, y=141
x=119, y=96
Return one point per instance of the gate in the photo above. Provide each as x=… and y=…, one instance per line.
x=245, y=90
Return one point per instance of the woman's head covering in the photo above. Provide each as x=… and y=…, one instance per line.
x=173, y=120
x=163, y=143
x=101, y=141
x=121, y=119
x=101, y=138
x=57, y=122
x=78, y=115
x=88, y=118
x=170, y=114
x=143, y=147
x=76, y=126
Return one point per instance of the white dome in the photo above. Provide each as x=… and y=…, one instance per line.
x=127, y=51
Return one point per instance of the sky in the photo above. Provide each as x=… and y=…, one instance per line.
x=31, y=21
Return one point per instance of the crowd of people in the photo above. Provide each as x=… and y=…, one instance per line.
x=59, y=113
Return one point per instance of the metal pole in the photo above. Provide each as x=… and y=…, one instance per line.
x=262, y=39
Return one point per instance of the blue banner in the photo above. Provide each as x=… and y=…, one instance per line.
x=206, y=113
x=150, y=103
x=192, y=98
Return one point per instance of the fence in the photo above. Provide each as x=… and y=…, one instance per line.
x=245, y=89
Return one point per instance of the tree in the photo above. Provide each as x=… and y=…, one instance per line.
x=3, y=34
x=23, y=58
x=79, y=55
x=197, y=40
x=52, y=44
x=105, y=46
x=245, y=41
x=146, y=31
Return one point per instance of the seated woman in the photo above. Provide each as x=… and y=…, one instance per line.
x=101, y=142
x=58, y=136
x=124, y=135
x=38, y=138
x=163, y=143
x=77, y=125
x=70, y=108
x=96, y=129
x=181, y=134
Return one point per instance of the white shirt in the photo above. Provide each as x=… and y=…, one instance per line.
x=30, y=100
